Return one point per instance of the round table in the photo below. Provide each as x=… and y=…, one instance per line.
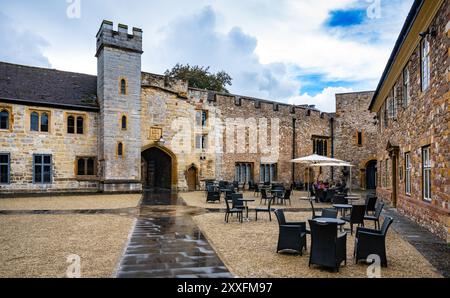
x=278, y=194
x=247, y=218
x=337, y=221
x=342, y=207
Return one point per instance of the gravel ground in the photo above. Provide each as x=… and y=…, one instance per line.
x=94, y=202
x=38, y=245
x=198, y=199
x=249, y=250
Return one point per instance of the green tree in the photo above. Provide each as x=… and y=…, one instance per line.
x=200, y=77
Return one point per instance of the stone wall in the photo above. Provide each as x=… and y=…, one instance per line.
x=21, y=144
x=353, y=116
x=423, y=122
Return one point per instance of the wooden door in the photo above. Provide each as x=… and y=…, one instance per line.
x=192, y=179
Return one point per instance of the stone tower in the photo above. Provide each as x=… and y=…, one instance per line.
x=119, y=89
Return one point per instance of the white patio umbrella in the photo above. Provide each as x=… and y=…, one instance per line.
x=318, y=160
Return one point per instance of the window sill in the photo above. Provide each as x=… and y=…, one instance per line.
x=87, y=178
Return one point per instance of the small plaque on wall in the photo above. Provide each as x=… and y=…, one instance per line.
x=155, y=134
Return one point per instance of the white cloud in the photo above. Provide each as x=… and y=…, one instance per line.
x=195, y=40
x=324, y=101
x=21, y=47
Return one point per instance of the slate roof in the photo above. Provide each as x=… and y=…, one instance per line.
x=49, y=87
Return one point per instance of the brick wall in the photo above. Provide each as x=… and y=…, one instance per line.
x=424, y=122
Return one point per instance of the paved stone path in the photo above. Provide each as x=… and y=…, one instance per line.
x=166, y=243
x=434, y=249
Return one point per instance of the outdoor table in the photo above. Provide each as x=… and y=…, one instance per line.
x=246, y=206
x=278, y=194
x=337, y=221
x=343, y=208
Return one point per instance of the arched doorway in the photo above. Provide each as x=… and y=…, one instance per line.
x=371, y=174
x=158, y=168
x=192, y=178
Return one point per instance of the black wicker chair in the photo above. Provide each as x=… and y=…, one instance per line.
x=376, y=217
x=330, y=193
x=287, y=197
x=371, y=203
x=327, y=213
x=264, y=196
x=212, y=196
x=292, y=235
x=372, y=242
x=320, y=195
x=265, y=210
x=340, y=199
x=356, y=216
x=256, y=190
x=231, y=211
x=236, y=203
x=251, y=186
x=328, y=249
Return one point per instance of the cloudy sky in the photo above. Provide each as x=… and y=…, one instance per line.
x=295, y=51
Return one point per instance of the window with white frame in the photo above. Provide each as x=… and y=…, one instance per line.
x=426, y=173
x=408, y=168
x=201, y=118
x=201, y=142
x=406, y=87
x=425, y=64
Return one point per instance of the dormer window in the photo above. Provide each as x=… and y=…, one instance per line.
x=123, y=86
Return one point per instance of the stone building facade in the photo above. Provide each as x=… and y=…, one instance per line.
x=355, y=138
x=412, y=104
x=125, y=130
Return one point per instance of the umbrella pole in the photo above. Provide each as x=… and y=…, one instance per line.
x=351, y=190
x=309, y=193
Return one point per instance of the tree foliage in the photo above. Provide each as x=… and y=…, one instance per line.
x=200, y=77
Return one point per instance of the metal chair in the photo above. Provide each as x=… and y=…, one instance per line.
x=265, y=210
x=239, y=212
x=356, y=216
x=371, y=203
x=376, y=217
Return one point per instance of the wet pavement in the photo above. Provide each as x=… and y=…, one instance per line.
x=166, y=243
x=434, y=249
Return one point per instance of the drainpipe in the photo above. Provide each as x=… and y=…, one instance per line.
x=332, y=144
x=294, y=147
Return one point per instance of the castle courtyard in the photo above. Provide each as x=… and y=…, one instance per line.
x=113, y=238
x=331, y=161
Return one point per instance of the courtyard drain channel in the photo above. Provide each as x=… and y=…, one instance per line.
x=166, y=243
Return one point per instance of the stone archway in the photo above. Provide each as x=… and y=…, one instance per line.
x=370, y=177
x=159, y=168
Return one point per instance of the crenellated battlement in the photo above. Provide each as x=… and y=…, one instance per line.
x=120, y=38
